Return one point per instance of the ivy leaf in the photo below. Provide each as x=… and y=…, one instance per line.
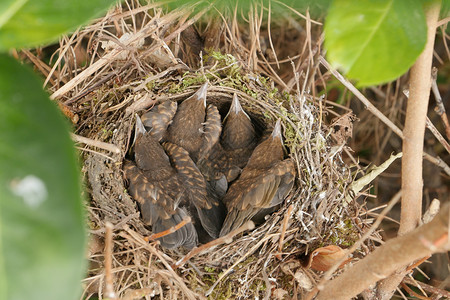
x=42, y=235
x=26, y=23
x=374, y=41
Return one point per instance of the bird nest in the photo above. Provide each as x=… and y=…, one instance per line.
x=135, y=64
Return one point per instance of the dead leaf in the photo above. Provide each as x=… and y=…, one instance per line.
x=343, y=128
x=324, y=258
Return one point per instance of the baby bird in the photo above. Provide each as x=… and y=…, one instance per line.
x=236, y=145
x=159, y=118
x=264, y=183
x=195, y=127
x=167, y=188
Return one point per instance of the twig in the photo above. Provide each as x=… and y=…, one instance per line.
x=412, y=293
x=172, y=229
x=427, y=287
x=440, y=108
x=438, y=162
x=437, y=135
x=95, y=152
x=102, y=145
x=226, y=239
x=287, y=215
x=118, y=225
x=108, y=262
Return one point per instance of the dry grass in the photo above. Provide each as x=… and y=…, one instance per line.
x=100, y=78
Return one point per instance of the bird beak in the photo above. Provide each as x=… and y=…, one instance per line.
x=140, y=129
x=235, y=105
x=277, y=130
x=201, y=93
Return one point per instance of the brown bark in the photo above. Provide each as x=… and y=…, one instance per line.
x=414, y=131
x=393, y=255
x=413, y=137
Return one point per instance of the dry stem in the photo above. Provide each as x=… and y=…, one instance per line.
x=108, y=262
x=102, y=145
x=414, y=131
x=440, y=108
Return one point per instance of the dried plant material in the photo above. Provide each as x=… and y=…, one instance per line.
x=279, y=294
x=324, y=258
x=342, y=128
x=303, y=280
x=110, y=45
x=357, y=185
x=432, y=211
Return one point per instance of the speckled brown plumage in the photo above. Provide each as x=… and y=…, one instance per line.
x=195, y=127
x=159, y=192
x=264, y=182
x=168, y=186
x=159, y=118
x=236, y=145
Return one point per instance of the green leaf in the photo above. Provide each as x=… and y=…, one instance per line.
x=316, y=8
x=42, y=235
x=26, y=23
x=374, y=41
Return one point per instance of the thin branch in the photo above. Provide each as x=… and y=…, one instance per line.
x=427, y=287
x=283, y=229
x=440, y=108
x=108, y=262
x=437, y=135
x=414, y=131
x=90, y=142
x=172, y=229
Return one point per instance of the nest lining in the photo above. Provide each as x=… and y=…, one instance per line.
x=318, y=216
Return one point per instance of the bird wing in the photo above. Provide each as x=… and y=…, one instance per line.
x=185, y=236
x=211, y=130
x=256, y=192
x=153, y=202
x=261, y=188
x=189, y=174
x=158, y=119
x=210, y=210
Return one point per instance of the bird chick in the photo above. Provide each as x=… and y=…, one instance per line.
x=167, y=188
x=195, y=127
x=159, y=118
x=236, y=145
x=264, y=182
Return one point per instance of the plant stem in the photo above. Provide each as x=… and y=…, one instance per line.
x=414, y=131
